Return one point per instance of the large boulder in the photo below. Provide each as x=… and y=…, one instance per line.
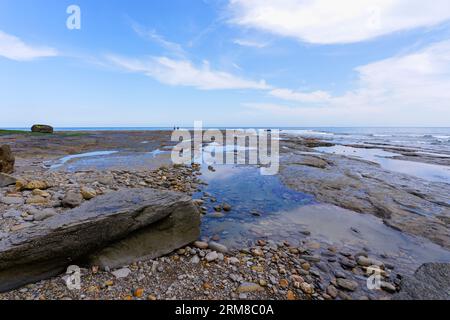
x=7, y=159
x=430, y=282
x=42, y=128
x=113, y=229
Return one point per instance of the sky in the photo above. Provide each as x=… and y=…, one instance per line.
x=248, y=63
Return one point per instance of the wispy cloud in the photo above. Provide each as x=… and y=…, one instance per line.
x=185, y=73
x=406, y=89
x=250, y=43
x=13, y=48
x=343, y=21
x=152, y=35
x=298, y=96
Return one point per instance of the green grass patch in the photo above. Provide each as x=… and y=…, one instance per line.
x=4, y=132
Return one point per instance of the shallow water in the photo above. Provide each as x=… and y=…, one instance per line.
x=112, y=160
x=284, y=214
x=264, y=208
x=385, y=159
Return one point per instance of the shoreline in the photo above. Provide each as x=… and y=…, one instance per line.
x=314, y=277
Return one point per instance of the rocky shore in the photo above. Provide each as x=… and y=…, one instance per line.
x=206, y=269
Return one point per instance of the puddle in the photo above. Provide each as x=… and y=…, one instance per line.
x=425, y=171
x=112, y=160
x=61, y=162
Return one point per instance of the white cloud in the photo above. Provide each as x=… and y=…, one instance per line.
x=410, y=89
x=14, y=48
x=250, y=43
x=337, y=21
x=185, y=73
x=311, y=97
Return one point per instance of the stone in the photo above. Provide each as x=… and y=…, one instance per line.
x=41, y=193
x=226, y=207
x=44, y=214
x=36, y=200
x=12, y=213
x=36, y=184
x=121, y=273
x=284, y=283
x=42, y=128
x=332, y=291
x=367, y=262
x=212, y=256
x=195, y=259
x=138, y=293
x=112, y=230
x=346, y=284
x=12, y=200
x=388, y=287
x=7, y=160
x=290, y=295
x=6, y=180
x=88, y=193
x=233, y=260
x=201, y=245
x=248, y=287
x=72, y=199
x=431, y=281
x=307, y=288
x=217, y=247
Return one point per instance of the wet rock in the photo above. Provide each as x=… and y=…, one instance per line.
x=111, y=230
x=42, y=128
x=7, y=160
x=88, y=193
x=12, y=200
x=430, y=282
x=217, y=247
x=346, y=284
x=44, y=214
x=332, y=291
x=226, y=207
x=201, y=245
x=388, y=287
x=6, y=180
x=72, y=199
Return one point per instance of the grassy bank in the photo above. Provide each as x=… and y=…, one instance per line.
x=4, y=132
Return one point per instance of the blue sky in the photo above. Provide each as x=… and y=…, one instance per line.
x=227, y=63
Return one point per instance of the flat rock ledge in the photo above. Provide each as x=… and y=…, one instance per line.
x=430, y=282
x=109, y=231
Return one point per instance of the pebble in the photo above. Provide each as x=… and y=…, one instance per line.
x=217, y=247
x=345, y=284
x=247, y=287
x=212, y=256
x=195, y=259
x=307, y=288
x=388, y=287
x=121, y=273
x=201, y=244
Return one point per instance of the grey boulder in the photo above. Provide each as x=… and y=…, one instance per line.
x=112, y=229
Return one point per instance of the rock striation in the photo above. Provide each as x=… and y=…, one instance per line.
x=113, y=229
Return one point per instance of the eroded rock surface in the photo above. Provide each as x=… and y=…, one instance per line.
x=104, y=226
x=404, y=202
x=430, y=282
